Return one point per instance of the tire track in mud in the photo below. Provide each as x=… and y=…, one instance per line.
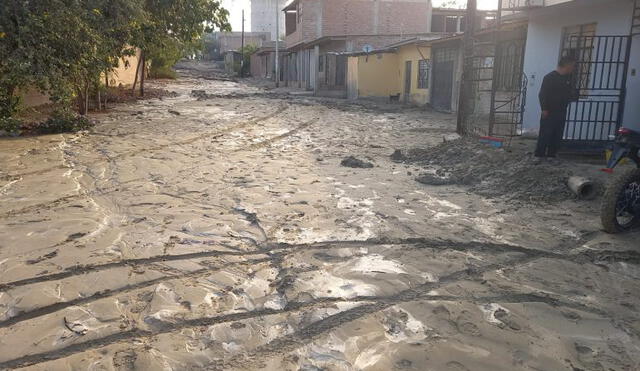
x=270, y=141
x=52, y=308
x=306, y=334
x=265, y=248
x=275, y=251
x=631, y=257
x=380, y=302
x=213, y=134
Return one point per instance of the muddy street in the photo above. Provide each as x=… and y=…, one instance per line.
x=217, y=229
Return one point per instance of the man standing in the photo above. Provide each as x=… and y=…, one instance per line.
x=555, y=94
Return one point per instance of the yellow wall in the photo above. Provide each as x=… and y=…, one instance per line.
x=125, y=74
x=413, y=53
x=378, y=75
x=382, y=75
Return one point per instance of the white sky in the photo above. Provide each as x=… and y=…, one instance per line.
x=235, y=9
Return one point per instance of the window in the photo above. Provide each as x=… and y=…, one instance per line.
x=437, y=23
x=578, y=42
x=451, y=24
x=424, y=67
x=508, y=68
x=321, y=63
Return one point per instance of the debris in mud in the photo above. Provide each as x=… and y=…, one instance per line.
x=42, y=258
x=490, y=172
x=398, y=156
x=401, y=155
x=174, y=112
x=355, y=163
x=76, y=328
x=434, y=180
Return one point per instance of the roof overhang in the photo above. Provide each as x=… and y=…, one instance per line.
x=291, y=6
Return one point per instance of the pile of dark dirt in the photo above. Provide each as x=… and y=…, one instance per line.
x=491, y=172
x=356, y=163
x=126, y=95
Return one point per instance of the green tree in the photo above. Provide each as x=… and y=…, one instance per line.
x=63, y=47
x=177, y=22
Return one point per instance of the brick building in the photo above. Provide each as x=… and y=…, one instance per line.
x=263, y=16
x=232, y=41
x=318, y=31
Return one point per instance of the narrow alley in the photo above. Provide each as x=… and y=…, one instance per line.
x=217, y=229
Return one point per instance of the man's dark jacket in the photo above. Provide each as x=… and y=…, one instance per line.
x=556, y=93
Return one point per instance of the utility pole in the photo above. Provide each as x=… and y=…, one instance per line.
x=466, y=85
x=242, y=48
x=277, y=60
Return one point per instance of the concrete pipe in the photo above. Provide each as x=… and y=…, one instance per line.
x=582, y=187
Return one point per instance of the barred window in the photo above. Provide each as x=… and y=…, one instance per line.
x=579, y=42
x=424, y=66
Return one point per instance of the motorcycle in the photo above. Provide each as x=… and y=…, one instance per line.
x=620, y=210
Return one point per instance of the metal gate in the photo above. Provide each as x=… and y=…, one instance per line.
x=600, y=79
x=444, y=60
x=407, y=81
x=509, y=87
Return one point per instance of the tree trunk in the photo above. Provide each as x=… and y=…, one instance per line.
x=106, y=88
x=86, y=98
x=99, y=100
x=144, y=65
x=135, y=79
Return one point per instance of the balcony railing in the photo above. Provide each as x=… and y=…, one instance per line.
x=518, y=5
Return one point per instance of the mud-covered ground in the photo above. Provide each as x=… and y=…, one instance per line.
x=219, y=231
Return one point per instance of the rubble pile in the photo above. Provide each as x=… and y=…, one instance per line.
x=490, y=172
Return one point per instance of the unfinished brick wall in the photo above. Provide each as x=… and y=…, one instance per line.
x=374, y=17
x=322, y=18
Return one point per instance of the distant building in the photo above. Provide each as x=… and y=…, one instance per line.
x=263, y=16
x=218, y=43
x=263, y=60
x=445, y=20
x=400, y=72
x=317, y=31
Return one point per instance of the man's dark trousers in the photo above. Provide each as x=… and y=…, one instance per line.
x=551, y=132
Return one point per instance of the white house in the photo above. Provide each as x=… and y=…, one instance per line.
x=600, y=33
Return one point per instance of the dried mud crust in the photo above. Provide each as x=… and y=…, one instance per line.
x=490, y=172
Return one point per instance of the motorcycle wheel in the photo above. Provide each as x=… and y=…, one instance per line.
x=620, y=210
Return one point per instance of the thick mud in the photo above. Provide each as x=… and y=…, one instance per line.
x=218, y=230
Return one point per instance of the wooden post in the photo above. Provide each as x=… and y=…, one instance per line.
x=466, y=85
x=242, y=48
x=144, y=67
x=277, y=56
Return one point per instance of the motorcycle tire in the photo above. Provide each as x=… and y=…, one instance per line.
x=608, y=212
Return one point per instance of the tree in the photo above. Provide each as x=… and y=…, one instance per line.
x=176, y=22
x=61, y=46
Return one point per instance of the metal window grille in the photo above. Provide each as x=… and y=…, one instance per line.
x=424, y=67
x=578, y=42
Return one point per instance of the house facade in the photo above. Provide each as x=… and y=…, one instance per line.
x=602, y=36
x=401, y=71
x=319, y=32
x=263, y=60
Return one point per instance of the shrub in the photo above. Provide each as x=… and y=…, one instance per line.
x=64, y=122
x=10, y=125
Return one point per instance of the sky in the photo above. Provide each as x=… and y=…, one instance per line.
x=235, y=9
